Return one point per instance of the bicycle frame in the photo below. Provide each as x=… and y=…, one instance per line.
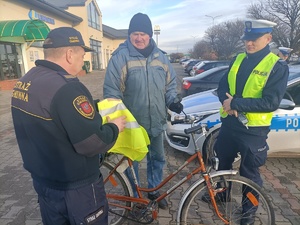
x=167, y=179
x=201, y=168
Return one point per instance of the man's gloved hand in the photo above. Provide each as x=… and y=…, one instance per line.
x=176, y=107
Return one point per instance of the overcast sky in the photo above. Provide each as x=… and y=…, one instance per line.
x=182, y=22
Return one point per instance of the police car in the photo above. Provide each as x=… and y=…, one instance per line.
x=284, y=137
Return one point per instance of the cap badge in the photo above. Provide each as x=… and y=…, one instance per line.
x=73, y=39
x=248, y=25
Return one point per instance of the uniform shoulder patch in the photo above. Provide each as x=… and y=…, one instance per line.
x=84, y=107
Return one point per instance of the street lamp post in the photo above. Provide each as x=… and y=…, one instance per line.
x=213, y=18
x=157, y=32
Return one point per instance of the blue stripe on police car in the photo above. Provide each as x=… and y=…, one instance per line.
x=286, y=122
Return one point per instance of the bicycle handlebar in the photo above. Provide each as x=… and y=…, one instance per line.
x=178, y=121
x=191, y=119
x=196, y=128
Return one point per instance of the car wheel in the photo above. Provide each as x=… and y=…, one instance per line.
x=208, y=150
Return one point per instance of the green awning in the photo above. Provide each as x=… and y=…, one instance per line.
x=23, y=30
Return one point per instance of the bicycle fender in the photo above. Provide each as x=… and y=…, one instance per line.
x=195, y=184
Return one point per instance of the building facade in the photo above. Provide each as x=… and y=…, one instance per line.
x=112, y=38
x=24, y=24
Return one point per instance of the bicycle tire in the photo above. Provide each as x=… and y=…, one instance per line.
x=116, y=185
x=197, y=211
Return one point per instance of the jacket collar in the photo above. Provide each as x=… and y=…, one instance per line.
x=133, y=52
x=260, y=54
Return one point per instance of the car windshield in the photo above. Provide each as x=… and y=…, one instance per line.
x=208, y=72
x=294, y=71
x=293, y=75
x=201, y=75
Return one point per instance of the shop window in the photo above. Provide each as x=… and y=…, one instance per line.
x=11, y=63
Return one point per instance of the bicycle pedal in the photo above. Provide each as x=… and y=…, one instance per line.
x=153, y=206
x=142, y=213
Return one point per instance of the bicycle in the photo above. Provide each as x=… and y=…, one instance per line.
x=223, y=189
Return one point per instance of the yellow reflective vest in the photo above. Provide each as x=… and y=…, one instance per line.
x=133, y=141
x=253, y=87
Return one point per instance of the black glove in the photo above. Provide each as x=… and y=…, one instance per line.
x=176, y=107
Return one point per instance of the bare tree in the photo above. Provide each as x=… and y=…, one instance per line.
x=225, y=38
x=286, y=13
x=202, y=50
x=222, y=41
x=176, y=56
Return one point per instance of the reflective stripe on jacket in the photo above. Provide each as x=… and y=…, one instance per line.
x=147, y=86
x=133, y=141
x=253, y=87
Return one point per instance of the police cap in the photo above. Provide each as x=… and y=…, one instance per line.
x=285, y=51
x=257, y=28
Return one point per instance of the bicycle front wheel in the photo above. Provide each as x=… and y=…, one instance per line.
x=238, y=198
x=118, y=185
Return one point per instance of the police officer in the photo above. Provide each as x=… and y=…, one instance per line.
x=60, y=135
x=284, y=53
x=249, y=93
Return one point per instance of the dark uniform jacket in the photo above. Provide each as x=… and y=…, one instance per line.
x=273, y=92
x=60, y=135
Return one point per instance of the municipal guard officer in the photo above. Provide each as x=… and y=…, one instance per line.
x=250, y=91
x=60, y=135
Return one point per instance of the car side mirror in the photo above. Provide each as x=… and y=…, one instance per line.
x=287, y=104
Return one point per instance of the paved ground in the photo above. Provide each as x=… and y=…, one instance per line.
x=18, y=200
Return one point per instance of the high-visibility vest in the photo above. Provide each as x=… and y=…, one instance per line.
x=133, y=141
x=253, y=87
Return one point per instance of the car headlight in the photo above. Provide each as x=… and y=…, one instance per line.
x=191, y=118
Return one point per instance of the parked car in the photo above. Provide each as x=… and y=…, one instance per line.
x=203, y=81
x=190, y=65
x=183, y=60
x=206, y=65
x=184, y=64
x=285, y=126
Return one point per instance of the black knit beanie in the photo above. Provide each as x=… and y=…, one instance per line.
x=140, y=22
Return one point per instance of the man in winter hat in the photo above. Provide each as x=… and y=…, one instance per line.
x=141, y=75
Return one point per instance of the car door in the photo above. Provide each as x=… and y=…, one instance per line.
x=284, y=136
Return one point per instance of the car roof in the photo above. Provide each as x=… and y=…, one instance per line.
x=203, y=63
x=205, y=73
